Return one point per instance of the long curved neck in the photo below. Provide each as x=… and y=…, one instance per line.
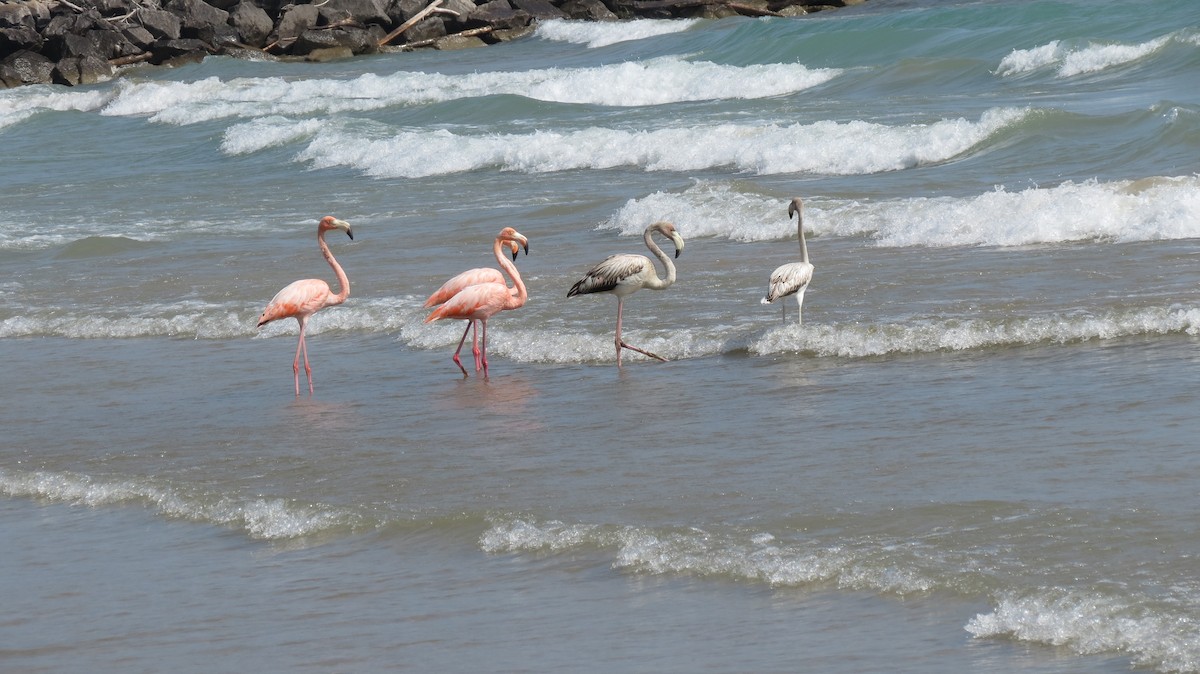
x=343, y=280
x=511, y=269
x=800, y=233
x=657, y=283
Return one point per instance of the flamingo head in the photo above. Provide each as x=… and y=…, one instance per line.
x=515, y=240
x=329, y=222
x=668, y=230
x=794, y=207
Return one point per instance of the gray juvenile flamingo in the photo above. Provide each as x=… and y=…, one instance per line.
x=626, y=273
x=792, y=278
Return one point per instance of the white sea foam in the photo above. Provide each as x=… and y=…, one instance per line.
x=263, y=518
x=22, y=103
x=864, y=565
x=1089, y=623
x=656, y=81
x=844, y=148
x=196, y=320
x=1069, y=61
x=857, y=340
x=601, y=34
x=1159, y=208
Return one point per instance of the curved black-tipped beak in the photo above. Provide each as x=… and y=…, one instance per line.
x=350, y=234
x=514, y=254
x=677, y=252
x=526, y=245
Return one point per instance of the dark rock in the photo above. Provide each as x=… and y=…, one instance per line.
x=82, y=70
x=223, y=4
x=452, y=42
x=16, y=39
x=16, y=15
x=173, y=50
x=361, y=11
x=63, y=24
x=588, y=10
x=111, y=44
x=161, y=24
x=540, y=9
x=252, y=23
x=294, y=20
x=112, y=7
x=498, y=14
x=26, y=67
x=400, y=11
x=197, y=17
x=429, y=28
x=462, y=8
x=357, y=40
x=138, y=36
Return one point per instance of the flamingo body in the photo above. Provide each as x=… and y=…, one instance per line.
x=481, y=301
x=792, y=278
x=301, y=299
x=624, y=274
x=469, y=278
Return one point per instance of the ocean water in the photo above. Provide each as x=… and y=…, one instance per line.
x=977, y=453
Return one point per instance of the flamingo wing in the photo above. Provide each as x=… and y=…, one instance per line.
x=479, y=301
x=299, y=298
x=611, y=273
x=788, y=279
x=466, y=279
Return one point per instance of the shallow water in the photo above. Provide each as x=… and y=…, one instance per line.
x=976, y=453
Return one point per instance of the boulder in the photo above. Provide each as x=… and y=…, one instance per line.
x=16, y=39
x=540, y=9
x=361, y=11
x=357, y=40
x=588, y=10
x=197, y=18
x=429, y=28
x=82, y=70
x=452, y=42
x=294, y=20
x=498, y=14
x=16, y=15
x=251, y=22
x=160, y=24
x=26, y=67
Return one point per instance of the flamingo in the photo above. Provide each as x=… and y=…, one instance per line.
x=301, y=299
x=792, y=278
x=472, y=277
x=626, y=273
x=481, y=301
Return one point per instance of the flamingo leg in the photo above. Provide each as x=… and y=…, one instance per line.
x=475, y=344
x=462, y=341
x=307, y=367
x=620, y=343
x=485, y=363
x=296, y=364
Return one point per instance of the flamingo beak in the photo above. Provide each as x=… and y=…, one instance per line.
x=678, y=243
x=349, y=233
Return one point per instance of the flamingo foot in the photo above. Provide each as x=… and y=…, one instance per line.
x=642, y=351
x=459, y=364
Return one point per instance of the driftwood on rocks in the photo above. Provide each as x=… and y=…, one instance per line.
x=77, y=42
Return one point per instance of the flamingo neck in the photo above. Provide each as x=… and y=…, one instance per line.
x=511, y=269
x=343, y=280
x=656, y=283
x=800, y=233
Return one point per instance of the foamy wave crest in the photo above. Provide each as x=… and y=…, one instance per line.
x=829, y=147
x=864, y=341
x=269, y=519
x=22, y=103
x=1090, y=623
x=601, y=34
x=667, y=79
x=1149, y=209
x=1069, y=61
x=758, y=557
x=198, y=320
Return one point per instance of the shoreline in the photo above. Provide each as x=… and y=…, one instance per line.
x=73, y=42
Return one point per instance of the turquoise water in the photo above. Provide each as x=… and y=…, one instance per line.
x=976, y=454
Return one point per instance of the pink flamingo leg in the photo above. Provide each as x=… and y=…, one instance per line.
x=462, y=341
x=622, y=344
x=475, y=345
x=485, y=363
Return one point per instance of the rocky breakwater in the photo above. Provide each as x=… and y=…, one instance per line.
x=85, y=41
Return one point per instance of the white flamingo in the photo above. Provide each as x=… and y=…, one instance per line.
x=792, y=278
x=626, y=273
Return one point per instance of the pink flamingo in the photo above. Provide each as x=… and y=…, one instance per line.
x=625, y=274
x=481, y=301
x=473, y=277
x=301, y=299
